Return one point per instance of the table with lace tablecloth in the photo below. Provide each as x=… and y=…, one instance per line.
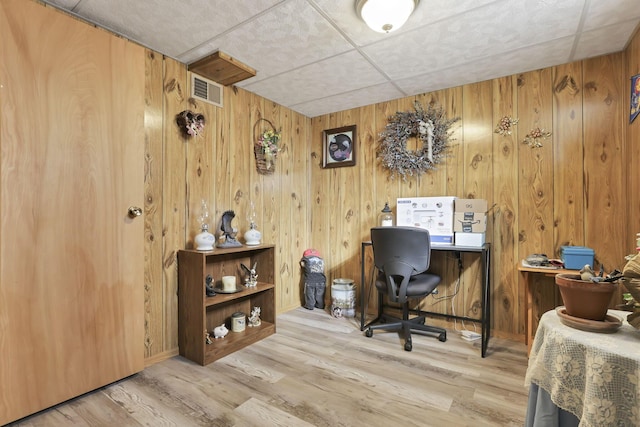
x=592, y=375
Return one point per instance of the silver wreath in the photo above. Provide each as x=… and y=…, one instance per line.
x=430, y=126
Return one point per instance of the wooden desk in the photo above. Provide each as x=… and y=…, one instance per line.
x=526, y=273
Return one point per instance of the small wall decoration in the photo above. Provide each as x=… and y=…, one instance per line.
x=635, y=98
x=338, y=147
x=505, y=124
x=535, y=136
x=190, y=123
x=266, y=148
x=430, y=126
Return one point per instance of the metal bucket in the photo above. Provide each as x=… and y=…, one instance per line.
x=343, y=298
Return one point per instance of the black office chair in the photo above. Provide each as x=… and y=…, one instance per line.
x=402, y=256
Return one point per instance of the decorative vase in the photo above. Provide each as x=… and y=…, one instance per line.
x=204, y=240
x=585, y=299
x=252, y=236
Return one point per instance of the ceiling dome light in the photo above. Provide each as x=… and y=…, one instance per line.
x=385, y=16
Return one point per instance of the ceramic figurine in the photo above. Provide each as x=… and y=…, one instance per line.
x=208, y=284
x=251, y=278
x=254, y=319
x=229, y=233
x=220, y=331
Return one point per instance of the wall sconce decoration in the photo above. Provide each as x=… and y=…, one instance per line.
x=535, y=136
x=190, y=123
x=505, y=124
x=266, y=148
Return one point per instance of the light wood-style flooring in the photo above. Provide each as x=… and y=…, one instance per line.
x=317, y=371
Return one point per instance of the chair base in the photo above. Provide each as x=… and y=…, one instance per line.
x=415, y=324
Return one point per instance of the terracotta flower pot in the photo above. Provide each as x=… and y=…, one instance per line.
x=586, y=300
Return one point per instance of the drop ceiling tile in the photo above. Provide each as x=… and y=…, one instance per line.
x=479, y=33
x=604, y=40
x=504, y=64
x=335, y=75
x=604, y=13
x=65, y=4
x=169, y=26
x=352, y=99
x=276, y=41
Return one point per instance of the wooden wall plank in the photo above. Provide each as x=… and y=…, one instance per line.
x=632, y=137
x=508, y=298
x=174, y=197
x=606, y=207
x=476, y=166
x=153, y=213
x=535, y=204
x=568, y=183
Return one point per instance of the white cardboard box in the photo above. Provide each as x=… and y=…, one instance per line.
x=475, y=240
x=431, y=213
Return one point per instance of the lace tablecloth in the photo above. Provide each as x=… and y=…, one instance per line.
x=595, y=376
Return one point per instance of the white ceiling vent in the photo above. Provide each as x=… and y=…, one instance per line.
x=206, y=90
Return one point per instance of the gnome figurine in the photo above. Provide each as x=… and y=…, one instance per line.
x=314, y=279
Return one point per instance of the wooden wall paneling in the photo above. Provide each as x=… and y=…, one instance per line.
x=200, y=152
x=347, y=202
x=606, y=203
x=438, y=182
x=174, y=196
x=386, y=189
x=508, y=298
x=632, y=55
x=153, y=171
x=256, y=192
x=320, y=218
x=299, y=197
x=368, y=130
x=240, y=158
x=568, y=178
x=536, y=176
x=286, y=249
x=477, y=174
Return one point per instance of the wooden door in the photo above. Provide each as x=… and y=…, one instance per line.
x=71, y=164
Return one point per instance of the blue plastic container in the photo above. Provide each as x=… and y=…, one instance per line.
x=575, y=257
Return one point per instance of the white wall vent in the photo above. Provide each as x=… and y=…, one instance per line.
x=206, y=90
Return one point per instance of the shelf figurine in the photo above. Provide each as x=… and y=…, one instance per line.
x=208, y=284
x=254, y=319
x=220, y=331
x=229, y=232
x=251, y=278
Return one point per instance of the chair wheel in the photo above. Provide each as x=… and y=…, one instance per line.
x=442, y=337
x=368, y=333
x=407, y=346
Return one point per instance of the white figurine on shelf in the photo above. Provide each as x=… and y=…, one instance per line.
x=220, y=331
x=251, y=276
x=254, y=319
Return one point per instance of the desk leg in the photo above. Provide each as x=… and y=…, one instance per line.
x=528, y=308
x=486, y=300
x=362, y=287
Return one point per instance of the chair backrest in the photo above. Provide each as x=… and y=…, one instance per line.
x=410, y=245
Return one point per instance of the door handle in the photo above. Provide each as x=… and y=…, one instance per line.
x=134, y=211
